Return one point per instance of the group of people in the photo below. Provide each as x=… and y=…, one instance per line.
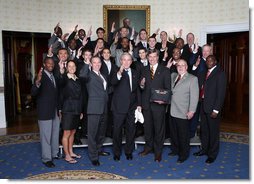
x=100, y=84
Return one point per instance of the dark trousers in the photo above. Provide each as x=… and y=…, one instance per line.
x=109, y=129
x=154, y=127
x=210, y=133
x=96, y=134
x=120, y=121
x=180, y=141
x=194, y=122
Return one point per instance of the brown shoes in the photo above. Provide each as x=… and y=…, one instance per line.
x=144, y=152
x=157, y=158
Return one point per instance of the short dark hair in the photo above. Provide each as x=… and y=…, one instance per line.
x=153, y=51
x=86, y=50
x=62, y=49
x=100, y=29
x=47, y=58
x=95, y=57
x=143, y=29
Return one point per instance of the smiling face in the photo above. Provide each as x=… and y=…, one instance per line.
x=71, y=67
x=142, y=54
x=211, y=61
x=62, y=55
x=153, y=58
x=176, y=54
x=182, y=67
x=96, y=64
x=106, y=54
x=49, y=64
x=126, y=60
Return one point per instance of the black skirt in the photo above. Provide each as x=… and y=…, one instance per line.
x=70, y=121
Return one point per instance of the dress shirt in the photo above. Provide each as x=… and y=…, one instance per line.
x=130, y=76
x=104, y=81
x=108, y=63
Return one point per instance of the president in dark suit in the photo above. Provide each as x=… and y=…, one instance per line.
x=126, y=99
x=45, y=89
x=96, y=107
x=212, y=92
x=154, y=76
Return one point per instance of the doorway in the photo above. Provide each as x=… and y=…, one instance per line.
x=232, y=51
x=23, y=54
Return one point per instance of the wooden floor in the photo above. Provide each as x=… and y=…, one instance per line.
x=27, y=123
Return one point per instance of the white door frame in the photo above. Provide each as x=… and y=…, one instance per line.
x=225, y=28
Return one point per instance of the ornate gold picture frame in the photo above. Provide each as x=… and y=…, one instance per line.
x=139, y=16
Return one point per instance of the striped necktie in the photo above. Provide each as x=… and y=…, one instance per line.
x=152, y=72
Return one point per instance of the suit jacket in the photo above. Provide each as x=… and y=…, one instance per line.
x=47, y=98
x=71, y=97
x=170, y=47
x=189, y=55
x=161, y=81
x=104, y=71
x=56, y=45
x=97, y=95
x=138, y=66
x=124, y=99
x=214, y=89
x=201, y=67
x=185, y=95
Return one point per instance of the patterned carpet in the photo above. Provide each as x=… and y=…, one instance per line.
x=20, y=159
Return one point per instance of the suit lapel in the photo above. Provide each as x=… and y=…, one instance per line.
x=98, y=79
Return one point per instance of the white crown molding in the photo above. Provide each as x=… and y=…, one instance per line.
x=225, y=28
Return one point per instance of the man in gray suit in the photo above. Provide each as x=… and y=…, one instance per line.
x=185, y=94
x=96, y=108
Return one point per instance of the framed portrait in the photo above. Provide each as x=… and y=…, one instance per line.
x=138, y=15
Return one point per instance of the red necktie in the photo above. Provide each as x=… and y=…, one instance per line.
x=202, y=90
x=177, y=80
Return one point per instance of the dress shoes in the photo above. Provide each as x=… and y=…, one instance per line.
x=104, y=153
x=116, y=157
x=172, y=154
x=200, y=153
x=95, y=162
x=144, y=152
x=129, y=156
x=49, y=164
x=157, y=158
x=210, y=160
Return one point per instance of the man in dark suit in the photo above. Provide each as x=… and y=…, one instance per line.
x=154, y=76
x=108, y=68
x=96, y=108
x=198, y=66
x=191, y=48
x=140, y=42
x=212, y=92
x=179, y=43
x=126, y=99
x=45, y=89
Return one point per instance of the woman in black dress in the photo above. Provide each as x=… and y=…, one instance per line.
x=71, y=109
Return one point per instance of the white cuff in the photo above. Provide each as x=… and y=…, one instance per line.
x=216, y=111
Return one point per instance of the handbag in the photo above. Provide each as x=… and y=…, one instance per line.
x=160, y=95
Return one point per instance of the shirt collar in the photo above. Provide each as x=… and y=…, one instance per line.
x=74, y=77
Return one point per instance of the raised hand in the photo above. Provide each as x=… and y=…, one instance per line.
x=39, y=76
x=89, y=33
x=116, y=38
x=130, y=46
x=180, y=33
x=197, y=62
x=50, y=53
x=76, y=28
x=121, y=69
x=196, y=45
x=137, y=41
x=84, y=41
x=64, y=37
x=79, y=51
x=113, y=27
x=157, y=31
x=170, y=62
x=56, y=28
x=132, y=32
